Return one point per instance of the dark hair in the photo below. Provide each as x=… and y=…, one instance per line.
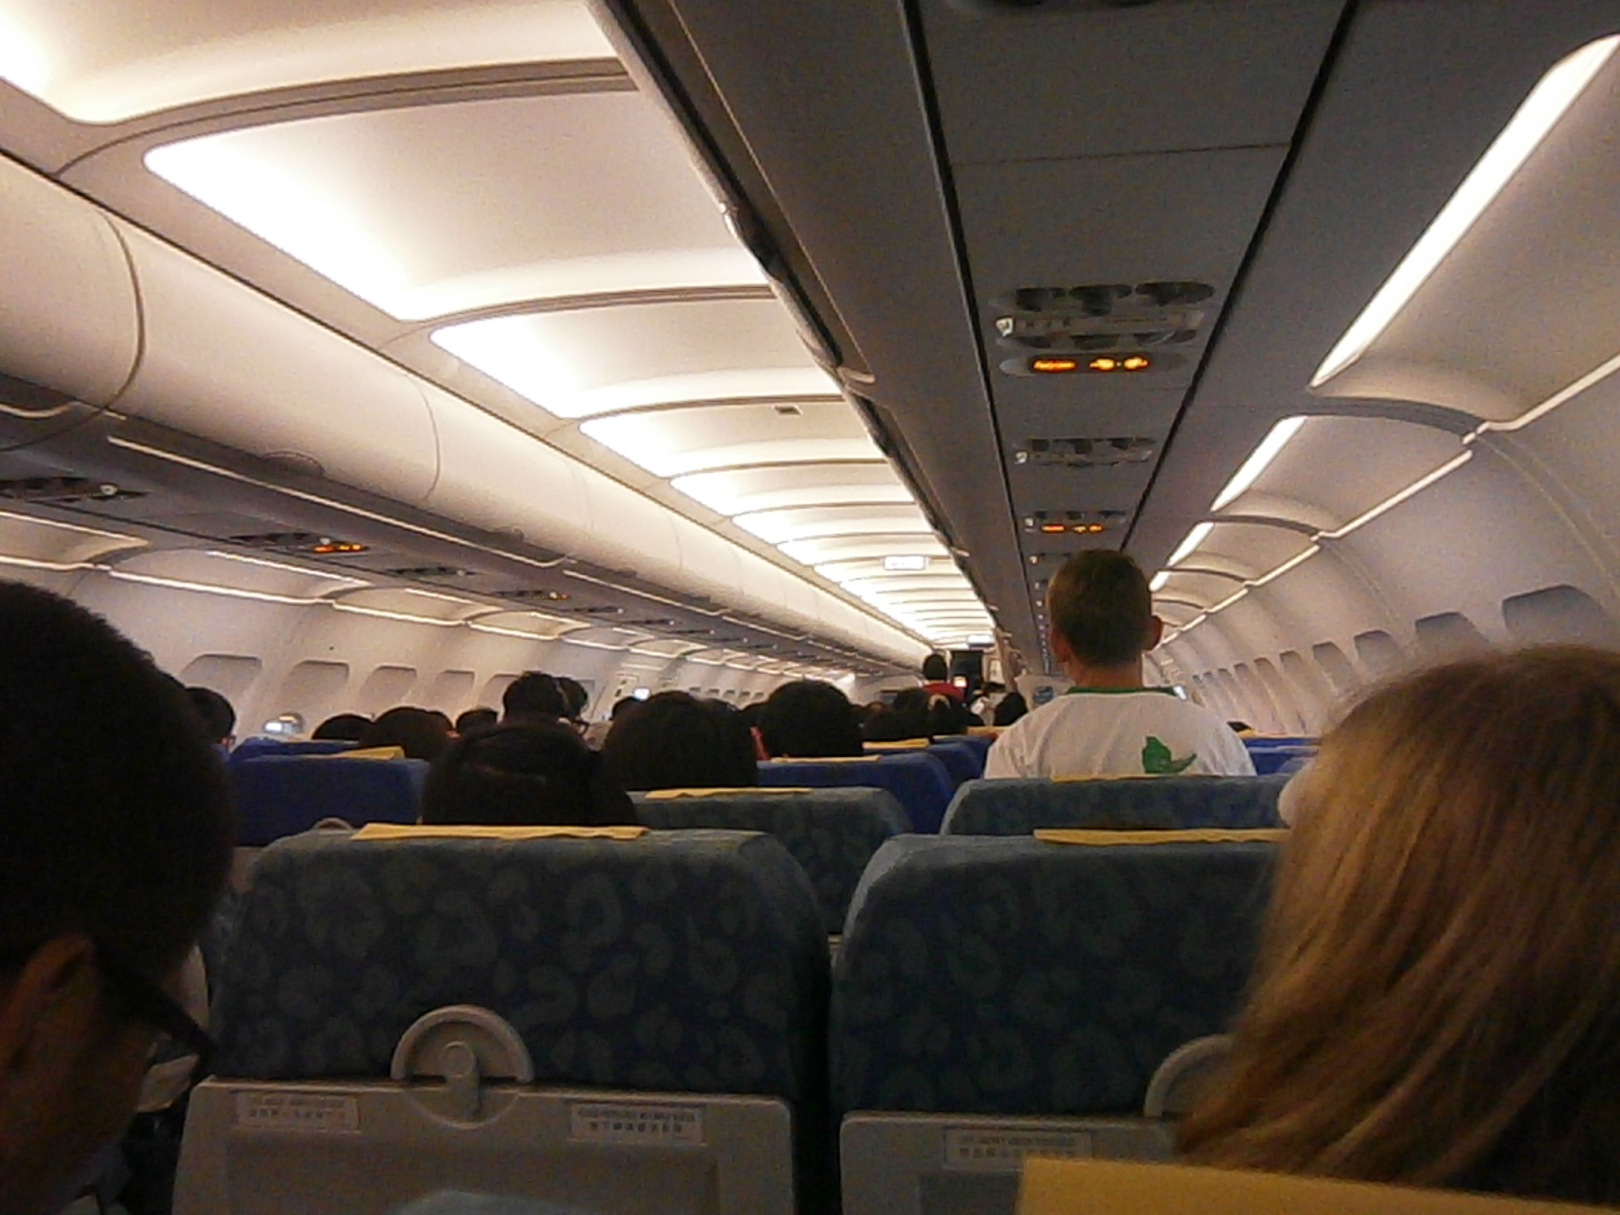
x=886, y=725
x=1010, y=708
x=620, y=705
x=935, y=669
x=476, y=719
x=675, y=741
x=808, y=719
x=574, y=696
x=1102, y=606
x=534, y=694
x=114, y=815
x=523, y=773
x=423, y=734
x=344, y=727
x=215, y=712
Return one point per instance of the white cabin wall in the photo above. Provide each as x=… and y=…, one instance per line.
x=1534, y=508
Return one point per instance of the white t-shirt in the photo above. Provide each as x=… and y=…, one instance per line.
x=1131, y=732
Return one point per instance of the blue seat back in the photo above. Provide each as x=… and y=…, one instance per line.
x=689, y=961
x=1269, y=761
x=1012, y=976
x=258, y=748
x=832, y=833
x=919, y=781
x=962, y=761
x=1018, y=807
x=278, y=795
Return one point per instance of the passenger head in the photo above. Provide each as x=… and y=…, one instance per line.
x=534, y=695
x=423, y=735
x=1102, y=611
x=345, y=727
x=575, y=697
x=935, y=669
x=1437, y=999
x=621, y=706
x=906, y=718
x=675, y=741
x=218, y=718
x=476, y=719
x=115, y=838
x=808, y=719
x=523, y=773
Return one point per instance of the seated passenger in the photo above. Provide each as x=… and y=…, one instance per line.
x=534, y=696
x=115, y=841
x=1011, y=707
x=1109, y=723
x=344, y=727
x=676, y=741
x=808, y=719
x=1437, y=998
x=575, y=698
x=476, y=719
x=423, y=734
x=524, y=773
x=906, y=718
x=218, y=717
x=936, y=673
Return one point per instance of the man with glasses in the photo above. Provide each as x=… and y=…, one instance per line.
x=115, y=839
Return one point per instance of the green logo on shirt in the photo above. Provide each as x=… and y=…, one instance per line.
x=1158, y=761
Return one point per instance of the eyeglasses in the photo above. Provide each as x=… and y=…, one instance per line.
x=145, y=1002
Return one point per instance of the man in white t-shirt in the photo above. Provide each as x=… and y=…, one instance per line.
x=1109, y=723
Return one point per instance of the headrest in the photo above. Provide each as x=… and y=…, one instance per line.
x=824, y=759
x=750, y=790
x=1209, y=835
x=904, y=744
x=425, y=831
x=365, y=753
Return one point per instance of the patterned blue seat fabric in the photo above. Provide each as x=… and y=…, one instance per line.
x=257, y=748
x=1018, y=807
x=919, y=781
x=282, y=795
x=832, y=833
x=1010, y=976
x=687, y=960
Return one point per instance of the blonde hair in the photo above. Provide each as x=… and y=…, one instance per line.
x=1437, y=999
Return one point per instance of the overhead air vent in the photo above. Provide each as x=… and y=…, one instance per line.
x=301, y=542
x=1078, y=522
x=650, y=622
x=430, y=571
x=1099, y=328
x=1089, y=453
x=64, y=491
x=594, y=609
x=529, y=594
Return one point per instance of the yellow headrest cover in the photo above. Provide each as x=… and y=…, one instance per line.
x=367, y=753
x=1199, y=835
x=422, y=831
x=664, y=794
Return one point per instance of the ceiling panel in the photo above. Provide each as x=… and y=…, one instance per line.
x=857, y=548
x=1047, y=85
x=432, y=210
x=754, y=489
x=673, y=442
x=808, y=523
x=103, y=60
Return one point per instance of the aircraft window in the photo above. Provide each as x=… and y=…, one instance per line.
x=1380, y=653
x=386, y=687
x=287, y=725
x=1340, y=674
x=451, y=690
x=1447, y=634
x=231, y=675
x=1286, y=699
x=495, y=688
x=1559, y=613
x=312, y=687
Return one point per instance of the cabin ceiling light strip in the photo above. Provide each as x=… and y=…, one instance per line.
x=1159, y=580
x=1191, y=541
x=1270, y=448
x=1540, y=112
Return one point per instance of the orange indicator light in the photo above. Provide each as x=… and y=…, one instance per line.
x=1053, y=365
x=1104, y=364
x=339, y=547
x=1053, y=527
x=1137, y=362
